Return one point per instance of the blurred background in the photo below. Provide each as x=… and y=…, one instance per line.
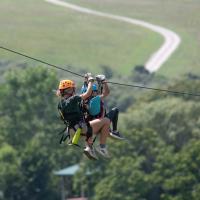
x=160, y=159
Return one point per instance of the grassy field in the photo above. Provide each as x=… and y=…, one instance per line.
x=181, y=16
x=65, y=37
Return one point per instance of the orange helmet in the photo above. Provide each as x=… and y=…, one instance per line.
x=64, y=84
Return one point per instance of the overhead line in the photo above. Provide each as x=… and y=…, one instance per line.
x=115, y=83
x=41, y=61
x=155, y=89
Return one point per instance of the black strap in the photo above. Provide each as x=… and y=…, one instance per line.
x=65, y=130
x=64, y=135
x=89, y=131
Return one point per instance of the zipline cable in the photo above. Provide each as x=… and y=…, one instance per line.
x=52, y=65
x=155, y=89
x=115, y=83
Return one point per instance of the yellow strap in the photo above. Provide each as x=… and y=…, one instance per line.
x=76, y=136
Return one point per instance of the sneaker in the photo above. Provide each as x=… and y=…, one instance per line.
x=103, y=151
x=116, y=135
x=90, y=153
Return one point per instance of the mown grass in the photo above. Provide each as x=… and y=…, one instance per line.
x=65, y=37
x=181, y=16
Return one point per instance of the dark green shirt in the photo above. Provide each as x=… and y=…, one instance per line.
x=71, y=109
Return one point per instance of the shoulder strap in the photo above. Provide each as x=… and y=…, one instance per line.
x=61, y=113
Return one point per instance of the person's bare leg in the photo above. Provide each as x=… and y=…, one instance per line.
x=97, y=124
x=102, y=126
x=104, y=133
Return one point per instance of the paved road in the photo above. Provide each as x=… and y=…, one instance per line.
x=157, y=59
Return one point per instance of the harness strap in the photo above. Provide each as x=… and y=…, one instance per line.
x=65, y=134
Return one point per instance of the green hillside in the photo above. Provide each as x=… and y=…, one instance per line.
x=64, y=37
x=181, y=16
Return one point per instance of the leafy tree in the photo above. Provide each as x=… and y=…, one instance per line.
x=128, y=174
x=158, y=134
x=179, y=173
x=27, y=103
x=37, y=167
x=174, y=119
x=30, y=125
x=107, y=71
x=117, y=98
x=10, y=174
x=160, y=159
x=125, y=181
x=185, y=85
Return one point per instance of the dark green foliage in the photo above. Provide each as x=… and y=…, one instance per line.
x=29, y=128
x=158, y=161
x=36, y=165
x=10, y=175
x=141, y=75
x=160, y=158
x=107, y=71
x=174, y=119
x=120, y=97
x=27, y=102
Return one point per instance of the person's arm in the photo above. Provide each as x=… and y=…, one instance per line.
x=89, y=89
x=102, y=80
x=106, y=90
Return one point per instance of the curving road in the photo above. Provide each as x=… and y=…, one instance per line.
x=157, y=59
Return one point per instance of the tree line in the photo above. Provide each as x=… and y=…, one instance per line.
x=159, y=160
